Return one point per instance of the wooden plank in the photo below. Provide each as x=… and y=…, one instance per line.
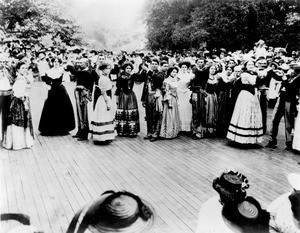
x=58, y=175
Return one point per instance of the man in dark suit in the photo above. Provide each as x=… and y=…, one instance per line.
x=286, y=106
x=151, y=97
x=83, y=90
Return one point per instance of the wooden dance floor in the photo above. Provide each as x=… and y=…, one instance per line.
x=58, y=175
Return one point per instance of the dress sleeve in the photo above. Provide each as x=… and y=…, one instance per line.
x=166, y=90
x=247, y=78
x=104, y=84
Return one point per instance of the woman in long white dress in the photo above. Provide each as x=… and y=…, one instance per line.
x=184, y=95
x=19, y=133
x=102, y=124
x=170, y=125
x=246, y=122
x=232, y=211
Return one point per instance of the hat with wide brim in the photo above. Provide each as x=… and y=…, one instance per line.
x=294, y=180
x=120, y=212
x=231, y=186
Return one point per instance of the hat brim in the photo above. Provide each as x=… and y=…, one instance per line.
x=139, y=225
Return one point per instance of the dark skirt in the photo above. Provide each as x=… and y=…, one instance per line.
x=19, y=132
x=127, y=115
x=57, y=116
x=199, y=114
x=20, y=114
x=224, y=113
x=211, y=117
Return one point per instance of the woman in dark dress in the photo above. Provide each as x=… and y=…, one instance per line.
x=211, y=102
x=57, y=116
x=127, y=115
x=224, y=86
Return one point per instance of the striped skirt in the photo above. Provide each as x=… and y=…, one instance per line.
x=246, y=123
x=102, y=124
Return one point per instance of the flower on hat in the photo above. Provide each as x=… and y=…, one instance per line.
x=231, y=186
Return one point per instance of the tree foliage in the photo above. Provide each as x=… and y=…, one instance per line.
x=231, y=24
x=34, y=19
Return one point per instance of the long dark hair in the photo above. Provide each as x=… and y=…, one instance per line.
x=170, y=70
x=259, y=224
x=18, y=66
x=295, y=203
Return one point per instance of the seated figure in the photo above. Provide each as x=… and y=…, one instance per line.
x=285, y=210
x=232, y=211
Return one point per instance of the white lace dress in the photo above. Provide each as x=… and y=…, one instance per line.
x=184, y=95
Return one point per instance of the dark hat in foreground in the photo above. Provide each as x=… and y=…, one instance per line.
x=231, y=186
x=114, y=212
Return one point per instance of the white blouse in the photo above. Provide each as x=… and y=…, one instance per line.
x=282, y=216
